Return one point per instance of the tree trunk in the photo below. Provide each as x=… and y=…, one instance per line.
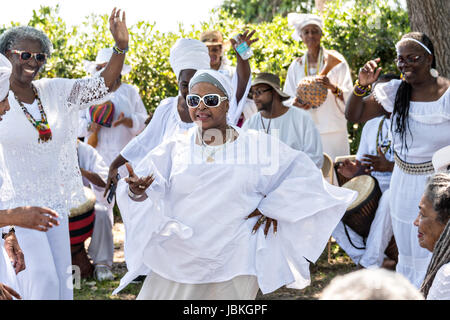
x=432, y=18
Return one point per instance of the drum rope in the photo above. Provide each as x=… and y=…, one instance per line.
x=351, y=242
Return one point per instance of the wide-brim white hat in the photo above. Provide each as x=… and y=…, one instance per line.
x=103, y=56
x=441, y=159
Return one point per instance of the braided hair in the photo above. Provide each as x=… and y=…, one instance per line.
x=403, y=97
x=438, y=192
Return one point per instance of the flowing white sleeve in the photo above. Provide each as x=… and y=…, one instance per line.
x=385, y=94
x=139, y=113
x=307, y=209
x=440, y=289
x=237, y=107
x=86, y=92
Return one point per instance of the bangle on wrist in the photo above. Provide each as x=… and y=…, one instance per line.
x=117, y=50
x=134, y=196
x=337, y=92
x=359, y=90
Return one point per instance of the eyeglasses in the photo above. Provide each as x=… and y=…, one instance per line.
x=257, y=93
x=211, y=100
x=25, y=55
x=409, y=59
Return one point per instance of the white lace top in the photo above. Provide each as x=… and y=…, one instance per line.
x=440, y=289
x=47, y=174
x=429, y=123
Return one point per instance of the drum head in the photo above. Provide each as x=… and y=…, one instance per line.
x=88, y=205
x=364, y=185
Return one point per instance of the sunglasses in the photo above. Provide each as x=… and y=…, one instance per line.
x=25, y=55
x=409, y=59
x=257, y=93
x=211, y=100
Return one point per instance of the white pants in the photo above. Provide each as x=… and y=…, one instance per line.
x=156, y=287
x=48, y=273
x=379, y=236
x=101, y=247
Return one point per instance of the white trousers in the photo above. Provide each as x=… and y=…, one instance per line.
x=48, y=273
x=156, y=287
x=379, y=236
x=101, y=247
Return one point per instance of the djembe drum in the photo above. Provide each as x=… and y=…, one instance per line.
x=311, y=92
x=81, y=227
x=361, y=212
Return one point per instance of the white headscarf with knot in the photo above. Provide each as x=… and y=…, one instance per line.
x=216, y=78
x=301, y=20
x=188, y=54
x=5, y=73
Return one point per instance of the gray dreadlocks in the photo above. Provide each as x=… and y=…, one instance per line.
x=438, y=192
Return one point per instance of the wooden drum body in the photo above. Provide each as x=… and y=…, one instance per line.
x=360, y=214
x=81, y=227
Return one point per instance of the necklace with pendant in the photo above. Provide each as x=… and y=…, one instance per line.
x=205, y=148
x=380, y=139
x=42, y=126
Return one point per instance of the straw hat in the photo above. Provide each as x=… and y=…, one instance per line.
x=103, y=56
x=272, y=80
x=214, y=38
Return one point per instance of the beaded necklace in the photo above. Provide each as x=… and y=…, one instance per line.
x=45, y=134
x=319, y=63
x=380, y=140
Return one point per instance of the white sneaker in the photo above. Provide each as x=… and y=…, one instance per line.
x=102, y=273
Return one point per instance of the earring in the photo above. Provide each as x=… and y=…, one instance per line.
x=434, y=73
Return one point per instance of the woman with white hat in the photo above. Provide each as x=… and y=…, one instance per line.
x=38, y=137
x=329, y=117
x=191, y=232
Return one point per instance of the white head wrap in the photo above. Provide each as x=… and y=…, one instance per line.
x=441, y=159
x=301, y=20
x=216, y=78
x=5, y=73
x=103, y=56
x=188, y=54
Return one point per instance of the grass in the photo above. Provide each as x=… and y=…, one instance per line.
x=321, y=274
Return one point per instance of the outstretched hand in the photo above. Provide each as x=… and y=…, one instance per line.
x=7, y=293
x=263, y=219
x=369, y=73
x=247, y=37
x=122, y=120
x=137, y=185
x=118, y=28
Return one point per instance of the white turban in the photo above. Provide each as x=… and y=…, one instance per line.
x=103, y=56
x=188, y=54
x=5, y=73
x=215, y=78
x=441, y=159
x=301, y=20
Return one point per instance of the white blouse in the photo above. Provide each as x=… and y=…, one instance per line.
x=112, y=140
x=329, y=117
x=192, y=229
x=47, y=174
x=429, y=123
x=440, y=289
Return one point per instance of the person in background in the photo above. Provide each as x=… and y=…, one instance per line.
x=291, y=125
x=101, y=248
x=375, y=157
x=329, y=117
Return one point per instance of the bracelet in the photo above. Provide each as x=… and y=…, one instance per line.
x=117, y=50
x=359, y=90
x=338, y=92
x=134, y=196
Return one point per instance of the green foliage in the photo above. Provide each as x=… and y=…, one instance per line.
x=256, y=11
x=360, y=30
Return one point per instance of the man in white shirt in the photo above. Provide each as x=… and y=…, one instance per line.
x=291, y=125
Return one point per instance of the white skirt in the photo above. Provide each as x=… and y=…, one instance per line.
x=406, y=192
x=156, y=287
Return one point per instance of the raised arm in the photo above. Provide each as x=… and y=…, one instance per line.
x=359, y=109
